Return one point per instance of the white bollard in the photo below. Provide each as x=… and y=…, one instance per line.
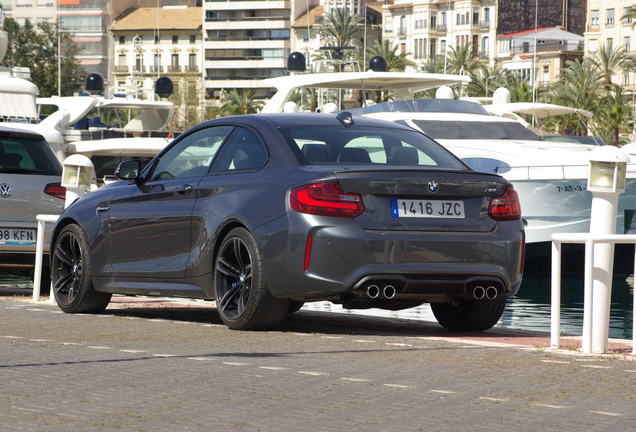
x=39, y=252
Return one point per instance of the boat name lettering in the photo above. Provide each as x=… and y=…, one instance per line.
x=569, y=189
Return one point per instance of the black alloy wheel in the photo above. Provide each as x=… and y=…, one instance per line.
x=242, y=298
x=71, y=274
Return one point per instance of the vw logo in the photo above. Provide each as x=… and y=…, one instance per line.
x=433, y=186
x=5, y=190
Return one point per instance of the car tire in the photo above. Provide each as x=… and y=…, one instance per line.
x=295, y=306
x=242, y=298
x=469, y=315
x=71, y=274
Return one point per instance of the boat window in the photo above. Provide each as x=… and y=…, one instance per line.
x=322, y=145
x=423, y=105
x=590, y=140
x=475, y=130
x=487, y=165
x=192, y=155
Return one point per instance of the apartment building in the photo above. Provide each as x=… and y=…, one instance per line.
x=86, y=20
x=167, y=41
x=427, y=28
x=554, y=47
x=247, y=42
x=606, y=26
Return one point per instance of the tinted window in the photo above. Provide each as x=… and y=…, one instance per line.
x=27, y=154
x=365, y=145
x=191, y=156
x=243, y=152
x=487, y=165
x=475, y=130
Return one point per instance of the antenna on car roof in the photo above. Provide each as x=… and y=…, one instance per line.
x=346, y=119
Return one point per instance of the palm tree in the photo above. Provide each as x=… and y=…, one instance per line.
x=615, y=112
x=462, y=58
x=579, y=86
x=486, y=82
x=609, y=61
x=341, y=26
x=394, y=62
x=241, y=101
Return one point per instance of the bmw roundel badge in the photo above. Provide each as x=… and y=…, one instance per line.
x=433, y=186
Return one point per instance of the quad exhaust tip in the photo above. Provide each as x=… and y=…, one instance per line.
x=479, y=292
x=373, y=291
x=388, y=292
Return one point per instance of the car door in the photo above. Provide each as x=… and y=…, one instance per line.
x=150, y=223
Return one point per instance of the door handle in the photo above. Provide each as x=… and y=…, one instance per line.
x=103, y=208
x=182, y=190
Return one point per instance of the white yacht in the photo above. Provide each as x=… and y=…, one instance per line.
x=135, y=114
x=549, y=176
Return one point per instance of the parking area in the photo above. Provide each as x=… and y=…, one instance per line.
x=162, y=364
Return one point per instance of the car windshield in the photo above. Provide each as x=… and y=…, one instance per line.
x=20, y=153
x=473, y=130
x=320, y=145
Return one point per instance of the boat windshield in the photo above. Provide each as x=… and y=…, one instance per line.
x=423, y=105
x=591, y=140
x=473, y=130
x=320, y=145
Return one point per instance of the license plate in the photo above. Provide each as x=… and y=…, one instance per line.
x=17, y=236
x=427, y=209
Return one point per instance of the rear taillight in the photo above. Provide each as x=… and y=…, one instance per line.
x=56, y=190
x=326, y=199
x=506, y=207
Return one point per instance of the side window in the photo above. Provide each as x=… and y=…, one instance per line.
x=192, y=156
x=243, y=152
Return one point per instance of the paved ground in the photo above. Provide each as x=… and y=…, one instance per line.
x=150, y=365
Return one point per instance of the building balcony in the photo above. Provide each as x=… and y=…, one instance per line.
x=401, y=32
x=174, y=68
x=441, y=28
x=246, y=38
x=549, y=46
x=483, y=25
x=155, y=69
x=121, y=69
x=192, y=68
x=484, y=55
x=234, y=19
x=139, y=68
x=593, y=28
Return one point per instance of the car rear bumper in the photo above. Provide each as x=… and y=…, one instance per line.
x=344, y=259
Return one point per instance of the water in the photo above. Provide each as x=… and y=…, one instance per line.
x=528, y=310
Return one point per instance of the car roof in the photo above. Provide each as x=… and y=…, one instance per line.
x=302, y=119
x=21, y=132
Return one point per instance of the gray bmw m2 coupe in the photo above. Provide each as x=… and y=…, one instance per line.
x=262, y=213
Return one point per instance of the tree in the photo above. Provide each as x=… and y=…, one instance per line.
x=394, y=62
x=486, y=82
x=241, y=101
x=609, y=61
x=341, y=26
x=579, y=86
x=462, y=59
x=615, y=112
x=25, y=40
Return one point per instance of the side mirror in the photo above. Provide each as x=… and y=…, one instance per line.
x=128, y=170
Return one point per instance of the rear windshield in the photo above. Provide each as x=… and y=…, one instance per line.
x=25, y=154
x=475, y=130
x=322, y=145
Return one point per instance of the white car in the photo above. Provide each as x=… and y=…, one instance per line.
x=30, y=177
